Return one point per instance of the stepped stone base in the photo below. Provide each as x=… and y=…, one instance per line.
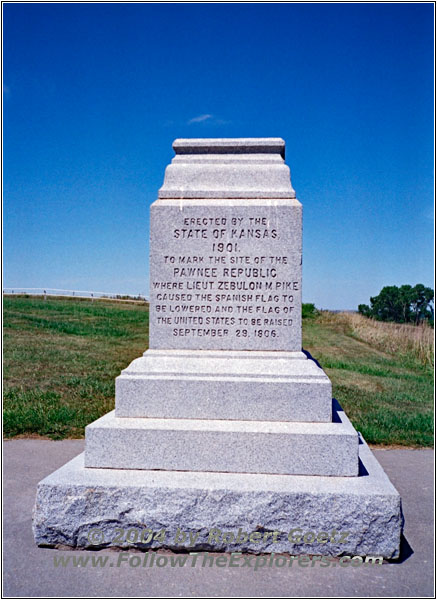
x=258, y=386
x=224, y=446
x=365, y=511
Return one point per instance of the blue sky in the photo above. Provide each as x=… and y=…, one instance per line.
x=94, y=95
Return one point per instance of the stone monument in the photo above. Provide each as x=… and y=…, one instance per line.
x=225, y=435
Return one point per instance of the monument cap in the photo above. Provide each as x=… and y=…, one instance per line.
x=228, y=168
x=229, y=146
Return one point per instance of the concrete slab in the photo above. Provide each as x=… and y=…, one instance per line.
x=31, y=571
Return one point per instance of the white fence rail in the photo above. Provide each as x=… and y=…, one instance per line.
x=74, y=294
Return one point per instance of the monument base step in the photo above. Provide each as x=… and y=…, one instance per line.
x=356, y=516
x=224, y=446
x=234, y=385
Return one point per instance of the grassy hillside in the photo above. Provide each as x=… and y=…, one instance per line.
x=61, y=357
x=382, y=374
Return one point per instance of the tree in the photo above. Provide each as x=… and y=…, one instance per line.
x=402, y=305
x=421, y=303
x=387, y=305
x=308, y=310
x=406, y=297
x=364, y=309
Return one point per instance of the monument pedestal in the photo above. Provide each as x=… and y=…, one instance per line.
x=87, y=507
x=223, y=445
x=225, y=436
x=236, y=385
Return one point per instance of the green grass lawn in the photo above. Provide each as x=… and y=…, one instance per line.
x=387, y=396
x=61, y=357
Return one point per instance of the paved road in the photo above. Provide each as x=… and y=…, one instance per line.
x=30, y=571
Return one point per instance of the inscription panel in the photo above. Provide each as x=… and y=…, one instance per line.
x=226, y=277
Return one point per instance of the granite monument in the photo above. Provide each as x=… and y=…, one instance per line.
x=224, y=424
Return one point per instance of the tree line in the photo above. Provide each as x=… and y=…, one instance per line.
x=404, y=304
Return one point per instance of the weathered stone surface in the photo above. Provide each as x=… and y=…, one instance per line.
x=74, y=500
x=220, y=445
x=225, y=393
x=226, y=275
x=228, y=168
x=250, y=386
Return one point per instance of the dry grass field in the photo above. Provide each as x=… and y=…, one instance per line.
x=396, y=338
x=382, y=374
